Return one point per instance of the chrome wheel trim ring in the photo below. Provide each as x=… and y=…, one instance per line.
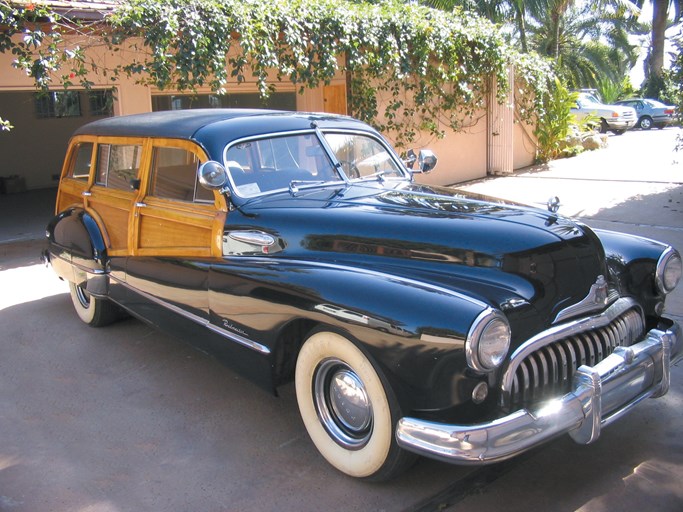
x=82, y=296
x=342, y=404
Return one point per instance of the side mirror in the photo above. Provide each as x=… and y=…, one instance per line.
x=426, y=161
x=212, y=175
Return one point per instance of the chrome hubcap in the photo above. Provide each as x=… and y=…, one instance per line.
x=342, y=404
x=83, y=297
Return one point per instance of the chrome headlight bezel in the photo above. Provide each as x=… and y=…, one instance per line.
x=668, y=271
x=488, y=341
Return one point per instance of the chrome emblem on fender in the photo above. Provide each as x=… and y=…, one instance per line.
x=598, y=297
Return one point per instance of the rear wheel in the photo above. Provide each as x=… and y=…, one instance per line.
x=94, y=311
x=645, y=123
x=348, y=412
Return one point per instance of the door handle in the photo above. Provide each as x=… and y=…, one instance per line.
x=86, y=193
x=140, y=205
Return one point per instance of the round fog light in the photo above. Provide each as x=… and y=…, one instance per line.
x=480, y=392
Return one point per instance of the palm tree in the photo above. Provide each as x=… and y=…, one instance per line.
x=586, y=43
x=655, y=59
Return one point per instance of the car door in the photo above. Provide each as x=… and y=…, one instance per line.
x=177, y=228
x=113, y=192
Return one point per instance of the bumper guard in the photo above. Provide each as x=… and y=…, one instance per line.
x=601, y=394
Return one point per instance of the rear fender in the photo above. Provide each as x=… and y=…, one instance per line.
x=77, y=250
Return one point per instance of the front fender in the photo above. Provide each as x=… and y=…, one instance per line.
x=632, y=262
x=415, y=331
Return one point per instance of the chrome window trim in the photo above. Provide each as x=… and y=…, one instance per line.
x=562, y=331
x=241, y=340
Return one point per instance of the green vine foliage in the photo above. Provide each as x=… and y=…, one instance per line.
x=554, y=125
x=411, y=68
x=33, y=33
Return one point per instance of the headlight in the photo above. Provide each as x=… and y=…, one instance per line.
x=669, y=269
x=488, y=341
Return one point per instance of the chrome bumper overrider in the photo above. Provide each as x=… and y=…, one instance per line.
x=601, y=394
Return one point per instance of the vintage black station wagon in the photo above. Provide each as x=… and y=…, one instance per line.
x=413, y=319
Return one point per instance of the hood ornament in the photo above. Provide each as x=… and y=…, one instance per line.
x=553, y=204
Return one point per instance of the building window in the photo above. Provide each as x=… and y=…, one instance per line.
x=58, y=104
x=277, y=100
x=101, y=102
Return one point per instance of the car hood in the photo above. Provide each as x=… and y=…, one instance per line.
x=511, y=256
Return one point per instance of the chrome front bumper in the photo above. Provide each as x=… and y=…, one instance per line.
x=601, y=394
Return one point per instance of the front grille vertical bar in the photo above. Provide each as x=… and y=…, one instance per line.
x=551, y=368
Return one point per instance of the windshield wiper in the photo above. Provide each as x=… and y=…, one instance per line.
x=379, y=175
x=295, y=185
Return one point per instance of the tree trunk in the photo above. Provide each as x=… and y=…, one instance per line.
x=659, y=17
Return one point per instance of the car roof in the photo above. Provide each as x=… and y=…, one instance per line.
x=213, y=129
x=185, y=124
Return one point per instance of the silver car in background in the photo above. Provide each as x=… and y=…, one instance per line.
x=651, y=113
x=614, y=118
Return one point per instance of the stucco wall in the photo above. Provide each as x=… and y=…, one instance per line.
x=462, y=156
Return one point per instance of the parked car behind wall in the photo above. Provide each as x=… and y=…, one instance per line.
x=614, y=118
x=651, y=113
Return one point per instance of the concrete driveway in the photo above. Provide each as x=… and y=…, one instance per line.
x=126, y=419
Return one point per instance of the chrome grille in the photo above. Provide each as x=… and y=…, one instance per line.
x=549, y=370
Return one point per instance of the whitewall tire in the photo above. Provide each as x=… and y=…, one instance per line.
x=348, y=412
x=92, y=310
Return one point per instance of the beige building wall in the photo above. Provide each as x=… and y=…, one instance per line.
x=35, y=148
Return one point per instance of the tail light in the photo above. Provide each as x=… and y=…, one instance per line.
x=669, y=111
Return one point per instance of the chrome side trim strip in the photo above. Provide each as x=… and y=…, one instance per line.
x=559, y=332
x=241, y=340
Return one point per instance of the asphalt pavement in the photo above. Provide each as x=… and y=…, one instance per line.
x=127, y=419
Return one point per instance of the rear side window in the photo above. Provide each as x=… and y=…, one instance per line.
x=80, y=167
x=118, y=165
x=174, y=176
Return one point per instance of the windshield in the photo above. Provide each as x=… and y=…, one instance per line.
x=291, y=161
x=273, y=163
x=362, y=156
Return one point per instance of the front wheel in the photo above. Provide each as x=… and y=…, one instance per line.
x=94, y=311
x=347, y=410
